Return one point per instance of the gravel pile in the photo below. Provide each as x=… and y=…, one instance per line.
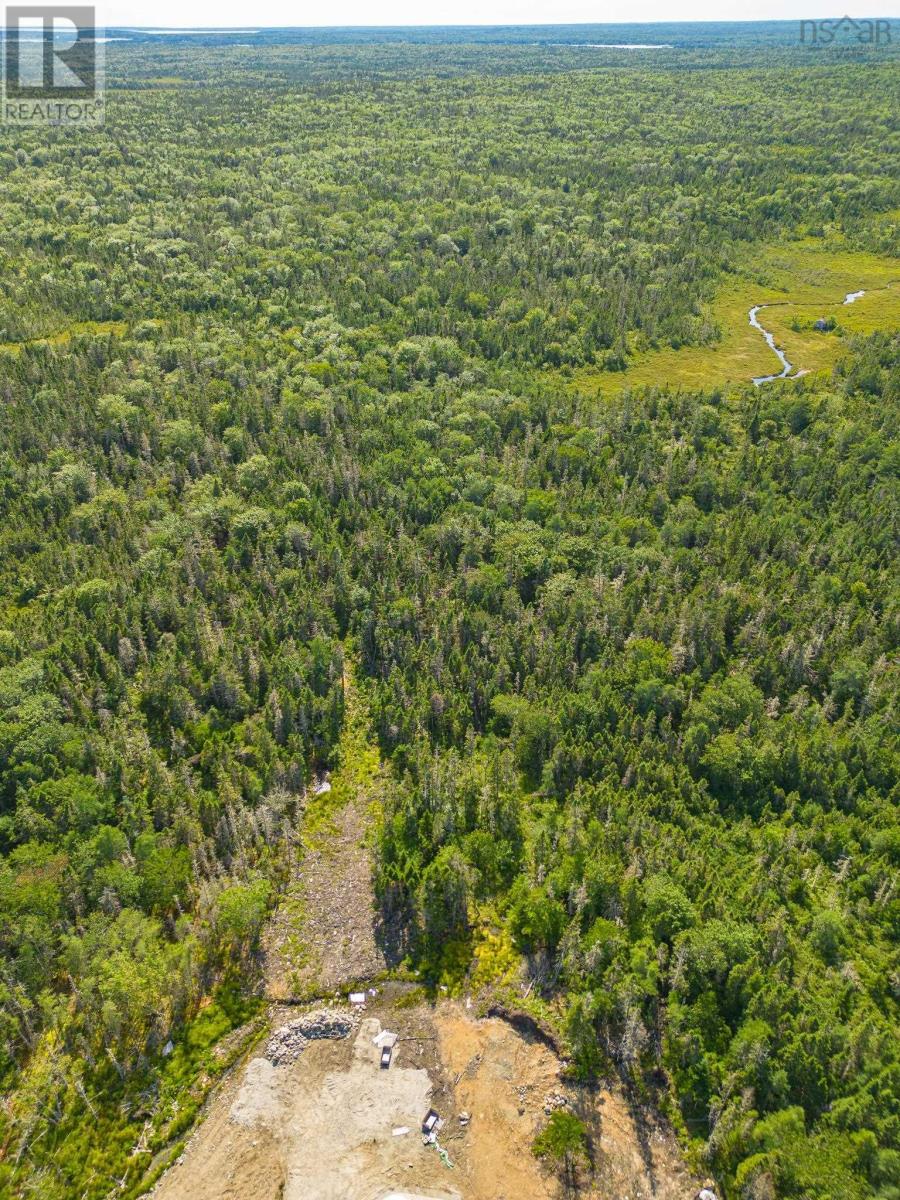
x=289, y=1042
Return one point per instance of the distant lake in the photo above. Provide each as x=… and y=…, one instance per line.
x=611, y=45
x=179, y=32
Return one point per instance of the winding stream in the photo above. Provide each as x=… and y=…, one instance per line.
x=786, y=367
x=770, y=342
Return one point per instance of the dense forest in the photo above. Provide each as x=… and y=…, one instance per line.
x=286, y=376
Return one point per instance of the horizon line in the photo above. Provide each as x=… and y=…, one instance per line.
x=491, y=24
x=259, y=27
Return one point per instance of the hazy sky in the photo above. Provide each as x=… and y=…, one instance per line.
x=235, y=13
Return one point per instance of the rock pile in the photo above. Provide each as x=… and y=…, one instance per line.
x=554, y=1101
x=288, y=1043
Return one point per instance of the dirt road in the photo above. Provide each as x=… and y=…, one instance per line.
x=321, y=937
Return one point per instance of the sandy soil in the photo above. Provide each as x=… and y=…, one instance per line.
x=504, y=1080
x=501, y=1081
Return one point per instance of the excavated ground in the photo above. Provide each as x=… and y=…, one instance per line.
x=322, y=1126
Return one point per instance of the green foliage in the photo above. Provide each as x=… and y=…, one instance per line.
x=445, y=897
x=563, y=1141
x=536, y=919
x=668, y=909
x=90, y=1124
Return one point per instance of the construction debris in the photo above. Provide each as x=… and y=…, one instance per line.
x=431, y=1139
x=288, y=1043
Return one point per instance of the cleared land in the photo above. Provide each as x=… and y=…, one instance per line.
x=505, y=1080
x=322, y=1128
x=322, y=935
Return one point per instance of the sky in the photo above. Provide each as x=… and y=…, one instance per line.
x=182, y=14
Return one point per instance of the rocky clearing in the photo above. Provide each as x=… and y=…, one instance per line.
x=322, y=936
x=322, y=1126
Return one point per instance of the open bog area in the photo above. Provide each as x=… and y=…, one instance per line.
x=799, y=282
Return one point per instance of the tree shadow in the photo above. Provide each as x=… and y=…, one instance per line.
x=642, y=1128
x=395, y=930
